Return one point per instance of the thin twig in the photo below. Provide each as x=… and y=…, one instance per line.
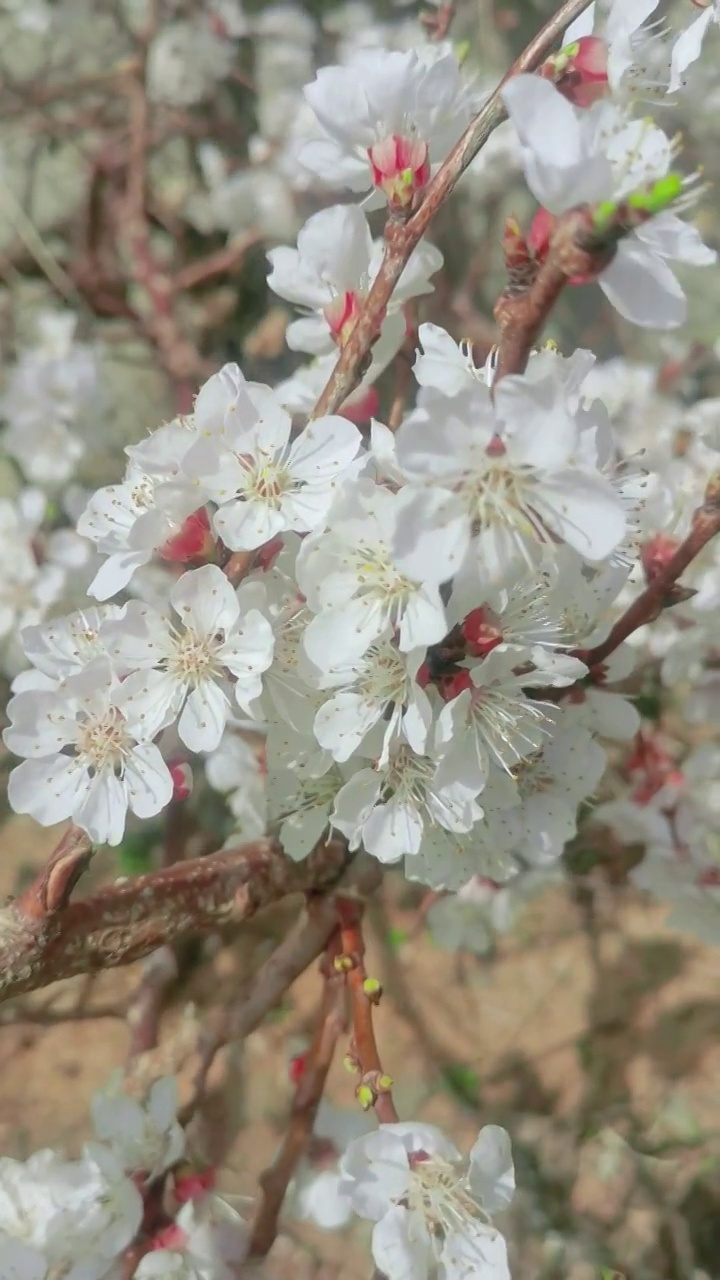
x=374, y=1087
x=275, y=1180
x=305, y=942
x=657, y=595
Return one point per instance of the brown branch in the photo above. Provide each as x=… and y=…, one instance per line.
x=219, y=263
x=374, y=1087
x=401, y=238
x=305, y=942
x=657, y=595
x=275, y=1180
x=51, y=888
x=127, y=920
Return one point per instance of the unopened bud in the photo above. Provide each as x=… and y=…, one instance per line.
x=194, y=1185
x=351, y=1064
x=182, y=779
x=515, y=246
x=267, y=554
x=365, y=1096
x=400, y=168
x=341, y=315
x=384, y=1084
x=372, y=989
x=343, y=964
x=580, y=71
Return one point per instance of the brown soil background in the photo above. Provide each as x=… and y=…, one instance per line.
x=593, y=1036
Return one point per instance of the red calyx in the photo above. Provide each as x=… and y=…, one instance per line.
x=193, y=541
x=482, y=631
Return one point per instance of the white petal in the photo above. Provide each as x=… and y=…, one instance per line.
x=101, y=811
x=642, y=288
x=148, y=780
x=205, y=600
x=324, y=448
x=687, y=48
x=584, y=510
x=393, y=830
x=398, y=1253
x=204, y=717
x=492, y=1176
x=245, y=526
x=46, y=789
x=342, y=722
x=150, y=700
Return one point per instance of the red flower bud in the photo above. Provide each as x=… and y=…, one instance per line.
x=400, y=168
x=182, y=779
x=267, y=554
x=581, y=71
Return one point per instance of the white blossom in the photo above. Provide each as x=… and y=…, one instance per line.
x=330, y=274
x=499, y=480
x=181, y=670
x=411, y=105
x=88, y=759
x=355, y=587
x=428, y=1210
x=262, y=482
x=688, y=46
x=145, y=1137
x=574, y=155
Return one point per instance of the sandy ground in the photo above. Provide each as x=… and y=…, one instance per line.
x=597, y=1045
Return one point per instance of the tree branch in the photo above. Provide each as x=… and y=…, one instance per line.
x=402, y=237
x=275, y=1180
x=649, y=605
x=375, y=1084
x=127, y=920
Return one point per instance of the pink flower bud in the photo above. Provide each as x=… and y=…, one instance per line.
x=193, y=540
x=400, y=168
x=482, y=632
x=539, y=237
x=341, y=315
x=195, y=1185
x=581, y=71
x=182, y=779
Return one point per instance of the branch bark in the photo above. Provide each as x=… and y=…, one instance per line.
x=127, y=920
x=649, y=605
